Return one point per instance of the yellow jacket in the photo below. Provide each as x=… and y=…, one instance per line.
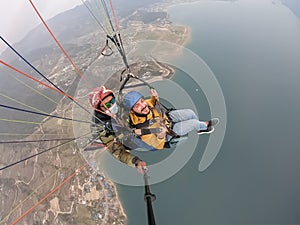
x=153, y=120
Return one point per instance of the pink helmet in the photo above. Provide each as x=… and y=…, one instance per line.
x=99, y=94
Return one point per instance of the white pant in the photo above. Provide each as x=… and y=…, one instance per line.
x=184, y=121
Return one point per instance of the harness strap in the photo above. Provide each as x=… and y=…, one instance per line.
x=172, y=133
x=147, y=123
x=151, y=131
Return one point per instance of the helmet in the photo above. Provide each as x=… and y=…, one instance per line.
x=99, y=94
x=131, y=98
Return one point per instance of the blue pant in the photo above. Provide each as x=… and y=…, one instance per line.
x=184, y=121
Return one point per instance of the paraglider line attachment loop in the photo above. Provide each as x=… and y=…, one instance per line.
x=131, y=75
x=105, y=48
x=151, y=196
x=127, y=75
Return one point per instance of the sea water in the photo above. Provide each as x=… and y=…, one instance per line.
x=253, y=49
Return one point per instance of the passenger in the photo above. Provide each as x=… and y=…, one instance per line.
x=143, y=114
x=107, y=130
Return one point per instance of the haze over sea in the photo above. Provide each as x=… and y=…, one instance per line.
x=253, y=48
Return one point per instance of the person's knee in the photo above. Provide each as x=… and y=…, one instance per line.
x=191, y=113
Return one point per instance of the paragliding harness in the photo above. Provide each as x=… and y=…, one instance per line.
x=162, y=109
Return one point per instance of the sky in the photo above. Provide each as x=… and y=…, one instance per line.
x=18, y=16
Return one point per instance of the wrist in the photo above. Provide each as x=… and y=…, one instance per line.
x=135, y=161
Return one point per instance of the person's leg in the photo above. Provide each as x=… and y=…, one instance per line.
x=184, y=127
x=182, y=114
x=185, y=121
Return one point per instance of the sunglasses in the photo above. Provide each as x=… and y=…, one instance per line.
x=110, y=103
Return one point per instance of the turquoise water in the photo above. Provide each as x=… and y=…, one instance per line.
x=253, y=48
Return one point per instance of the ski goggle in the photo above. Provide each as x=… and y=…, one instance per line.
x=110, y=103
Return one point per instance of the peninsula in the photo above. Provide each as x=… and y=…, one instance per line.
x=59, y=185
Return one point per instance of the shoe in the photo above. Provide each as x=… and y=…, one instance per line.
x=213, y=122
x=210, y=127
x=207, y=131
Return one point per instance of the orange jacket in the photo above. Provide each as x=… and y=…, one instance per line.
x=153, y=120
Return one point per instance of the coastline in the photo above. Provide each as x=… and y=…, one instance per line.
x=84, y=193
x=95, y=195
x=169, y=72
x=164, y=72
x=188, y=35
